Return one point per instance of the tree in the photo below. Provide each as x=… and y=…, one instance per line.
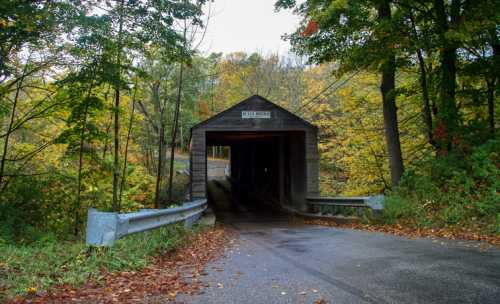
x=462, y=36
x=82, y=102
x=65, y=69
x=32, y=28
x=134, y=26
x=357, y=35
x=189, y=47
x=158, y=89
x=448, y=115
x=129, y=131
x=35, y=23
x=388, y=90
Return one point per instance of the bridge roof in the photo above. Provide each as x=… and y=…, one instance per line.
x=254, y=103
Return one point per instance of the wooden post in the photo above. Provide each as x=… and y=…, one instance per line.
x=252, y=165
x=281, y=169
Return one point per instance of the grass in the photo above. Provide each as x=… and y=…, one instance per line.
x=38, y=266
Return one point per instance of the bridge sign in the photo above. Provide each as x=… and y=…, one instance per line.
x=255, y=114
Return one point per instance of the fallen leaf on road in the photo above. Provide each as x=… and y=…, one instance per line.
x=409, y=230
x=172, y=294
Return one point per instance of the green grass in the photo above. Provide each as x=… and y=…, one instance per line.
x=39, y=265
x=178, y=165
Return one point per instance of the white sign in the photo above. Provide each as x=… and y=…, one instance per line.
x=255, y=114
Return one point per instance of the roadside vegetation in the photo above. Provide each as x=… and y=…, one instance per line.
x=459, y=190
x=32, y=268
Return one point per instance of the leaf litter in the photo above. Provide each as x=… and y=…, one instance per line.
x=161, y=281
x=451, y=233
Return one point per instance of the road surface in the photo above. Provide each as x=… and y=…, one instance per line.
x=215, y=167
x=278, y=261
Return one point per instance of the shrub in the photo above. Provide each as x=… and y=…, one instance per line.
x=459, y=189
x=34, y=207
x=31, y=206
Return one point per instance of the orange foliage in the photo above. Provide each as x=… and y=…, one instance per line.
x=203, y=110
x=311, y=28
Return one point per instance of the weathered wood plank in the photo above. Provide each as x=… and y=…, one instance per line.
x=299, y=150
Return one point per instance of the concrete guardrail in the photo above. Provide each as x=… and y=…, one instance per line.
x=104, y=228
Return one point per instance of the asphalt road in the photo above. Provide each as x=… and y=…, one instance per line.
x=278, y=261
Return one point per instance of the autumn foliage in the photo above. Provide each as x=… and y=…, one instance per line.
x=310, y=29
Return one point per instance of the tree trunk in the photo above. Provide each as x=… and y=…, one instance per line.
x=150, y=164
x=80, y=167
x=491, y=84
x=116, y=162
x=9, y=130
x=125, y=157
x=108, y=127
x=448, y=118
x=80, y=163
x=387, y=88
x=426, y=112
x=181, y=139
x=160, y=172
x=159, y=169
x=174, y=133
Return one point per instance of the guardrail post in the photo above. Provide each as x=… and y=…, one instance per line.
x=188, y=223
x=102, y=227
x=375, y=202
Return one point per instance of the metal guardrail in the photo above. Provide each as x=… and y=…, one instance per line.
x=104, y=228
x=374, y=202
x=184, y=171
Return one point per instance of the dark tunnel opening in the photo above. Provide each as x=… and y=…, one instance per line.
x=267, y=169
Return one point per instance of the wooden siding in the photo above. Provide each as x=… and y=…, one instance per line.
x=231, y=120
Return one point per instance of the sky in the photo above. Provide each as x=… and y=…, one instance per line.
x=248, y=25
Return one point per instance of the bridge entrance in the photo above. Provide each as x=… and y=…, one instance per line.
x=273, y=153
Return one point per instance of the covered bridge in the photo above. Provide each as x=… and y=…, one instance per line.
x=273, y=152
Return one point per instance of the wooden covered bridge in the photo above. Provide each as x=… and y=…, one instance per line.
x=272, y=152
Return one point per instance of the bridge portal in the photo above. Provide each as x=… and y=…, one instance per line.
x=273, y=153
